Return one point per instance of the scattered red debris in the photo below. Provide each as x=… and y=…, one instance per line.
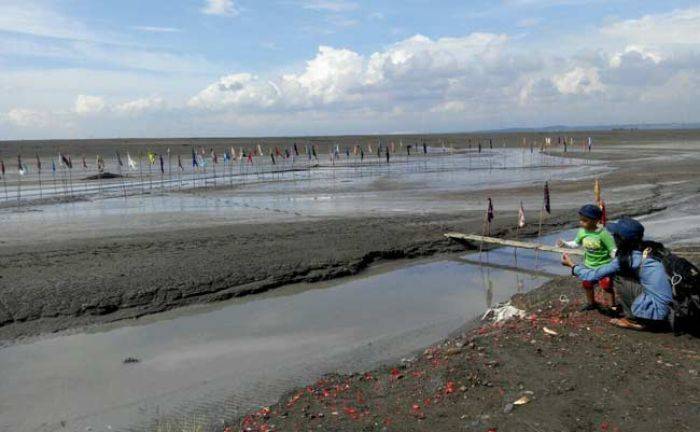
x=395, y=374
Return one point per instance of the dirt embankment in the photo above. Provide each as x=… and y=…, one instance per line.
x=580, y=375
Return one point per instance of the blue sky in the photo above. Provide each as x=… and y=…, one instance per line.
x=79, y=68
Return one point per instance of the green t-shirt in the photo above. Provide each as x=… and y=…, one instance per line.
x=598, y=246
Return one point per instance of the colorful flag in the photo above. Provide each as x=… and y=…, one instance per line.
x=547, y=206
x=521, y=216
x=596, y=191
x=65, y=160
x=20, y=167
x=489, y=212
x=132, y=164
x=151, y=157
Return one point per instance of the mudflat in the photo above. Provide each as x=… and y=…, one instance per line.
x=54, y=284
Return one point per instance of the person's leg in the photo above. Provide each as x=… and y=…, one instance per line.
x=610, y=309
x=626, y=292
x=589, y=289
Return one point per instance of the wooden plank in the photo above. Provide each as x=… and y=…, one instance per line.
x=472, y=238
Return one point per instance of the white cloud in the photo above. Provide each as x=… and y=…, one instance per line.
x=413, y=69
x=634, y=51
x=86, y=105
x=451, y=106
x=330, y=5
x=579, y=81
x=678, y=28
x=37, y=19
x=23, y=117
x=156, y=29
x=241, y=90
x=529, y=22
x=220, y=7
x=140, y=106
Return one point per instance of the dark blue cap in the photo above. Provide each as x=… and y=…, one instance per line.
x=591, y=211
x=627, y=229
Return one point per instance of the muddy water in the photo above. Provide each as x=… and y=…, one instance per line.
x=203, y=363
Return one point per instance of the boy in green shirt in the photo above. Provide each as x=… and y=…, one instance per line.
x=599, y=249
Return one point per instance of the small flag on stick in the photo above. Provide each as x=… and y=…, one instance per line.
x=489, y=212
x=194, y=159
x=521, y=216
x=596, y=191
x=132, y=164
x=20, y=167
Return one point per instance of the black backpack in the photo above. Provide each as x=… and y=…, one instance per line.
x=685, y=280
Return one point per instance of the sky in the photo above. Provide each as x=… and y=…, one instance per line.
x=181, y=68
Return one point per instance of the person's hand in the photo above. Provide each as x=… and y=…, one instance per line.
x=560, y=243
x=566, y=260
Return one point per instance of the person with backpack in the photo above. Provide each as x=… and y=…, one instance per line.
x=644, y=289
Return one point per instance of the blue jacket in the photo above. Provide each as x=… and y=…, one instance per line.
x=655, y=301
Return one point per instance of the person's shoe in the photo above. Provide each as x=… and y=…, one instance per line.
x=590, y=307
x=611, y=312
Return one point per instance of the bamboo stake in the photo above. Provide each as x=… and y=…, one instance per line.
x=511, y=243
